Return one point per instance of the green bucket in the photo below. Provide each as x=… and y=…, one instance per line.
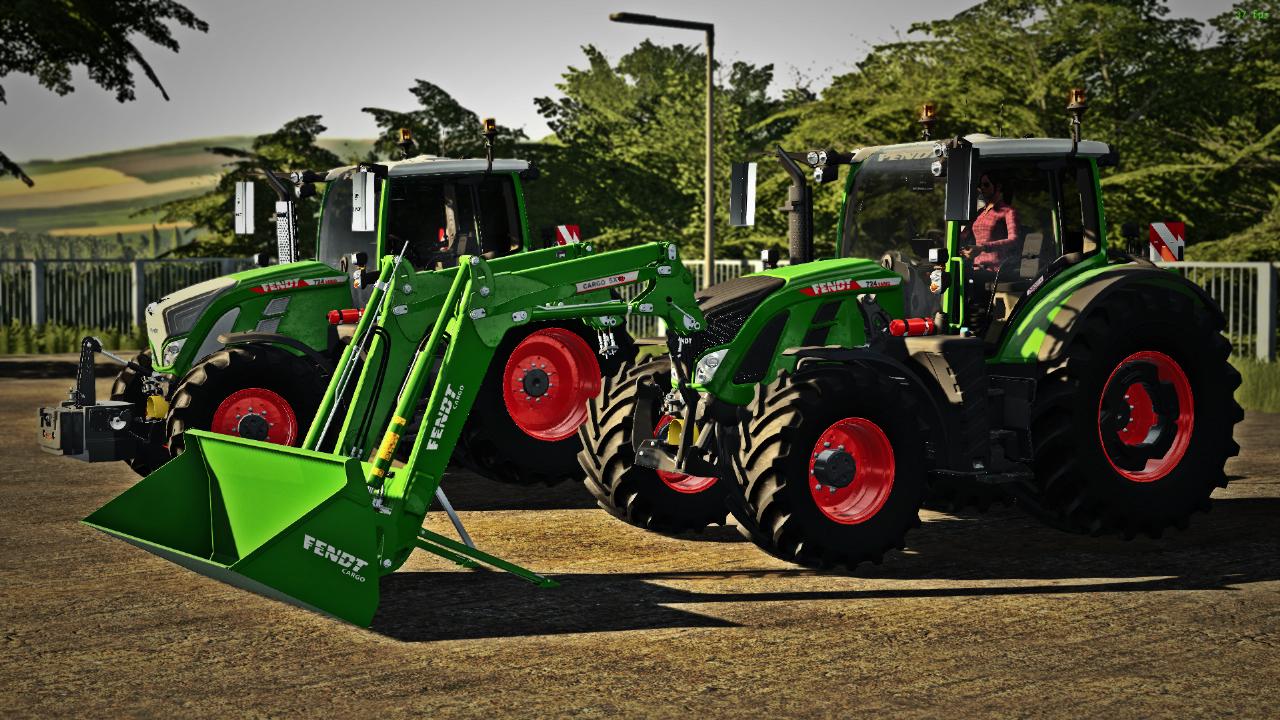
x=290, y=524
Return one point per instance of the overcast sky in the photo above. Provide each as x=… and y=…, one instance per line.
x=264, y=62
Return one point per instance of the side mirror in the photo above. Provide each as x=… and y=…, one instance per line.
x=362, y=194
x=742, y=195
x=244, y=207
x=262, y=259
x=958, y=163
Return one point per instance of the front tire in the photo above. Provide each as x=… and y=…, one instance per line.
x=641, y=496
x=217, y=394
x=1134, y=423
x=834, y=467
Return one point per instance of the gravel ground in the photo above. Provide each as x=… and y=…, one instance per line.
x=987, y=615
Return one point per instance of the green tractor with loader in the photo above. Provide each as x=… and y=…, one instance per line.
x=249, y=354
x=955, y=352
x=821, y=404
x=318, y=525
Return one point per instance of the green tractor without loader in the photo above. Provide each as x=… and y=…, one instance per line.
x=319, y=524
x=249, y=354
x=949, y=356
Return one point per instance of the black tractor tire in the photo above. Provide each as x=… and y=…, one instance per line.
x=1077, y=487
x=778, y=510
x=128, y=388
x=637, y=495
x=492, y=444
x=299, y=381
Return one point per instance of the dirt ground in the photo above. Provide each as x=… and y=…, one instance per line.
x=985, y=615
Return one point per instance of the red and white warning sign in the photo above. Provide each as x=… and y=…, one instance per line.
x=1168, y=241
x=568, y=234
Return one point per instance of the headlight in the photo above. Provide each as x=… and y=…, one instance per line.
x=706, y=367
x=182, y=309
x=172, y=350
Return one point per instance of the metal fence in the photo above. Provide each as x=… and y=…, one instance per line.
x=112, y=294
x=106, y=294
x=1246, y=292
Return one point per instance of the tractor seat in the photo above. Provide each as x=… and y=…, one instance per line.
x=1033, y=261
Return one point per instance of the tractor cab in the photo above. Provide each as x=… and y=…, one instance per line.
x=434, y=209
x=1029, y=210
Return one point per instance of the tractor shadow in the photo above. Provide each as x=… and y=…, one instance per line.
x=469, y=491
x=1238, y=543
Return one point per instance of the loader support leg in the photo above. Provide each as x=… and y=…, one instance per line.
x=434, y=542
x=453, y=518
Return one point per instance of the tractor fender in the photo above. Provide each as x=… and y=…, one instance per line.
x=324, y=362
x=892, y=358
x=1066, y=321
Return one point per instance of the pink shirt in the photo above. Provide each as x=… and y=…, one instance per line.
x=994, y=246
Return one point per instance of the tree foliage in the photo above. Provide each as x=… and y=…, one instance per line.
x=292, y=147
x=440, y=126
x=1192, y=109
x=1191, y=120
x=627, y=159
x=47, y=38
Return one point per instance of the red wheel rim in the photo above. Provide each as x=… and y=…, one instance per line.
x=851, y=470
x=547, y=382
x=1145, y=416
x=688, y=484
x=257, y=414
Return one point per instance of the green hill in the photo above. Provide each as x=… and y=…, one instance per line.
x=101, y=194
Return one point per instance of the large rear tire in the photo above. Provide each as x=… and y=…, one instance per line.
x=1134, y=423
x=834, y=466
x=282, y=389
x=493, y=445
x=640, y=496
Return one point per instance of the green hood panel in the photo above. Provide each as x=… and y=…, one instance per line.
x=818, y=304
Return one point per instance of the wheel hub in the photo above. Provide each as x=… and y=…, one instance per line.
x=535, y=382
x=835, y=468
x=254, y=427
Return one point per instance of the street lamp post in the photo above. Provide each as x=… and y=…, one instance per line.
x=709, y=235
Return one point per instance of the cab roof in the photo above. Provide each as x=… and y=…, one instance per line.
x=996, y=147
x=436, y=165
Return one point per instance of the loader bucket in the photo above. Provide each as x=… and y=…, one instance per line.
x=287, y=523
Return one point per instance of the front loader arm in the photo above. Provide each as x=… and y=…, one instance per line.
x=484, y=301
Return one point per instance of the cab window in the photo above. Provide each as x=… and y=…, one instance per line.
x=336, y=239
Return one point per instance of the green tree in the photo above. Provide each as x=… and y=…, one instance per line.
x=1003, y=67
x=440, y=126
x=47, y=38
x=626, y=161
x=292, y=147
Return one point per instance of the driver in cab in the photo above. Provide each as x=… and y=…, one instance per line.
x=994, y=233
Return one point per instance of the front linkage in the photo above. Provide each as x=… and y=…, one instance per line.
x=84, y=429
